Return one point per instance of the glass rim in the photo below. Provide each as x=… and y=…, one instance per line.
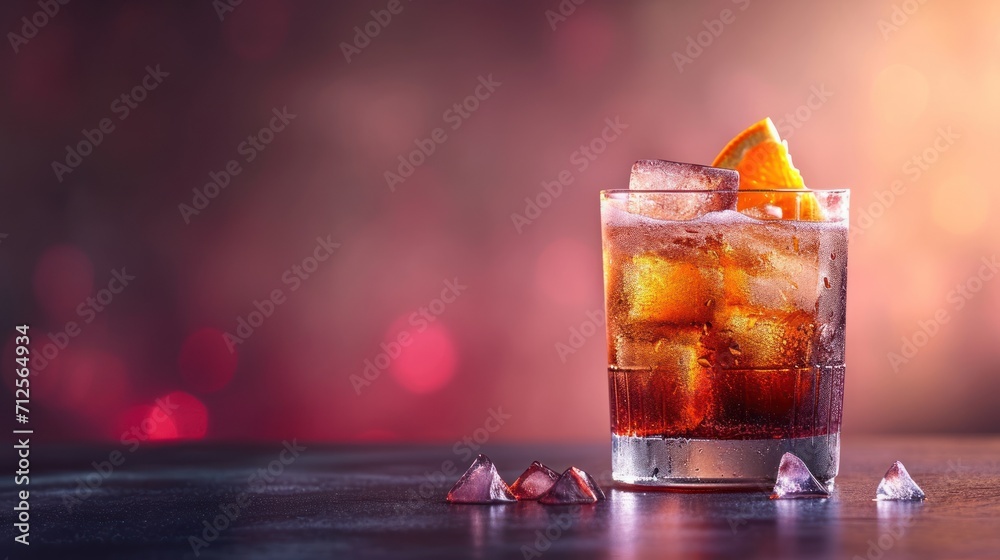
x=706, y=191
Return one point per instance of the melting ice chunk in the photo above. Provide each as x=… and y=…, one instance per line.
x=573, y=487
x=481, y=484
x=897, y=485
x=656, y=174
x=594, y=487
x=795, y=480
x=533, y=482
x=660, y=175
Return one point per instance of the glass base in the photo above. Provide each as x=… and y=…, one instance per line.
x=718, y=464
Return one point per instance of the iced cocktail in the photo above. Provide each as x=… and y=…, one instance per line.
x=726, y=318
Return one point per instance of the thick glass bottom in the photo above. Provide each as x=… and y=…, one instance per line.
x=718, y=464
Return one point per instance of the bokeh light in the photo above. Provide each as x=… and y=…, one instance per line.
x=189, y=415
x=90, y=382
x=428, y=362
x=173, y=416
x=206, y=362
x=142, y=423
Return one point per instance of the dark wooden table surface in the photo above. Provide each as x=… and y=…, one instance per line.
x=387, y=501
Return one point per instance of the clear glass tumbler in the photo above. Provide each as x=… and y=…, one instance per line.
x=725, y=333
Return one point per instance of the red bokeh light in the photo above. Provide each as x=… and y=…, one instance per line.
x=428, y=362
x=142, y=423
x=90, y=381
x=174, y=416
x=84, y=383
x=190, y=417
x=206, y=363
x=64, y=277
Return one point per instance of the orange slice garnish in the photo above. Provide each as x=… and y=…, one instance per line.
x=761, y=157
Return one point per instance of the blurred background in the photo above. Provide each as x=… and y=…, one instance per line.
x=328, y=220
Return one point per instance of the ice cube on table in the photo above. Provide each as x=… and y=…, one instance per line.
x=656, y=174
x=795, y=481
x=897, y=485
x=573, y=487
x=481, y=484
x=594, y=487
x=536, y=480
